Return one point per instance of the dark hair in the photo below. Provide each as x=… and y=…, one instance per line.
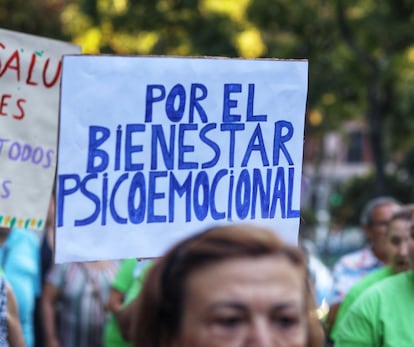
x=158, y=309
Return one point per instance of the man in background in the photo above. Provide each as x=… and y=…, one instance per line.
x=398, y=242
x=382, y=315
x=353, y=266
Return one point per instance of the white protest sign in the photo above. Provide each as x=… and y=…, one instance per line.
x=30, y=69
x=153, y=149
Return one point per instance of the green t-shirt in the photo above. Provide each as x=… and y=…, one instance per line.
x=133, y=274
x=123, y=281
x=136, y=286
x=381, y=316
x=354, y=293
x=125, y=275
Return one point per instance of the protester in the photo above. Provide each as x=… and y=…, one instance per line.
x=19, y=256
x=46, y=262
x=47, y=242
x=352, y=267
x=80, y=291
x=398, y=240
x=125, y=288
x=382, y=315
x=120, y=285
x=11, y=334
x=230, y=285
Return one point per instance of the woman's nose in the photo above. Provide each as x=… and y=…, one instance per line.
x=260, y=334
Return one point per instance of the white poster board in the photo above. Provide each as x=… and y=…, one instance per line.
x=30, y=69
x=153, y=149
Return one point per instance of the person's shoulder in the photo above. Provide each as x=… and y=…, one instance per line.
x=355, y=259
x=384, y=289
x=26, y=234
x=359, y=324
x=394, y=283
x=128, y=262
x=369, y=280
x=374, y=277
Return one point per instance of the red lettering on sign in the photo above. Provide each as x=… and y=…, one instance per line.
x=55, y=78
x=6, y=103
x=3, y=103
x=19, y=105
x=14, y=58
x=13, y=64
x=29, y=73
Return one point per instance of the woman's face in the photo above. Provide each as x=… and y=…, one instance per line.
x=245, y=302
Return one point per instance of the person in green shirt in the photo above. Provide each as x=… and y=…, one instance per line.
x=398, y=239
x=380, y=316
x=122, y=282
x=126, y=286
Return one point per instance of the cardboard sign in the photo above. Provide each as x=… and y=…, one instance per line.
x=30, y=70
x=153, y=149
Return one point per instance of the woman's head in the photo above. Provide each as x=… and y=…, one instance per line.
x=225, y=287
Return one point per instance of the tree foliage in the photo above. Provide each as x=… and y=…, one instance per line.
x=347, y=42
x=157, y=27
x=41, y=17
x=361, y=53
x=347, y=203
x=361, y=62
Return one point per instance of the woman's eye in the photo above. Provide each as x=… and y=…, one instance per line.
x=228, y=322
x=395, y=242
x=286, y=321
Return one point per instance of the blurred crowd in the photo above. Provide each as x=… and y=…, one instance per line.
x=93, y=304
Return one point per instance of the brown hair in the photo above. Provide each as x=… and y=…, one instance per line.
x=157, y=314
